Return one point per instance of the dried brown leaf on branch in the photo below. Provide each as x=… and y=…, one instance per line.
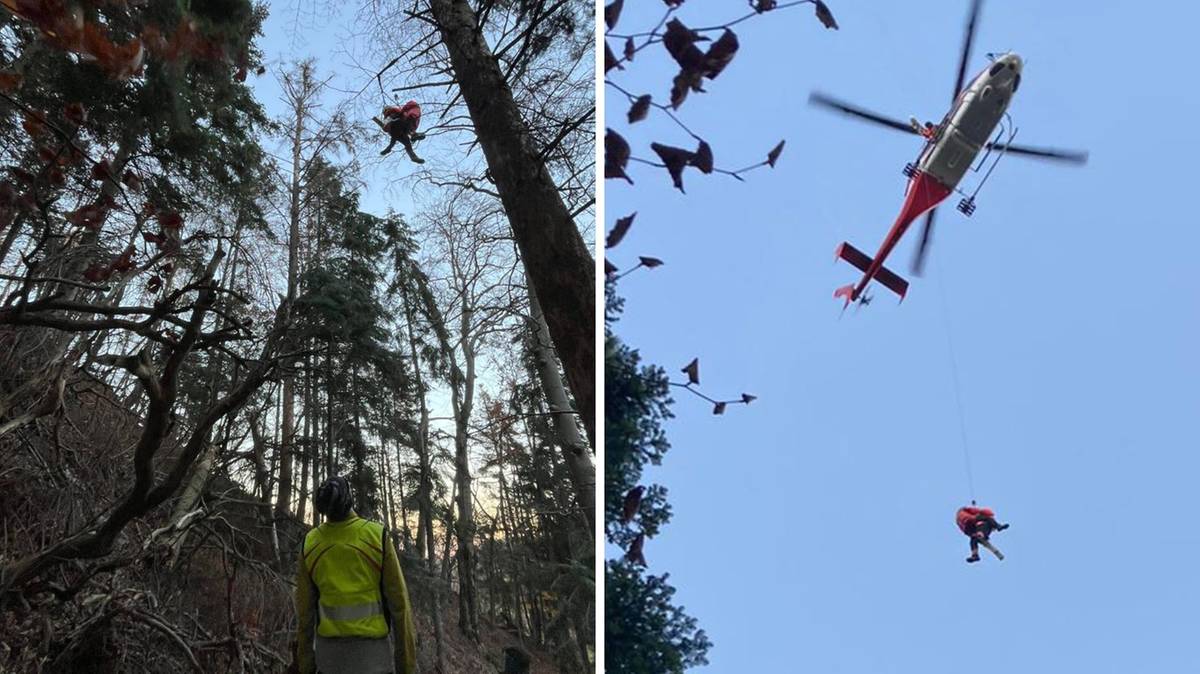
x=630, y=49
x=676, y=160
x=75, y=113
x=619, y=230
x=703, y=158
x=22, y=175
x=720, y=54
x=633, y=500
x=639, y=109
x=680, y=42
x=616, y=155
x=610, y=268
x=9, y=82
x=612, y=13
x=124, y=262
x=66, y=28
x=610, y=59
x=33, y=125
x=650, y=262
x=91, y=216
x=692, y=370
x=102, y=170
x=719, y=408
x=131, y=180
x=824, y=15
x=97, y=272
x=170, y=220
x=773, y=155
x=685, y=81
x=634, y=554
x=747, y=398
x=695, y=65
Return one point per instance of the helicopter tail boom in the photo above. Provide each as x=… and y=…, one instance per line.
x=864, y=263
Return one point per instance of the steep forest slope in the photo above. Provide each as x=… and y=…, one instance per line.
x=209, y=306
x=208, y=596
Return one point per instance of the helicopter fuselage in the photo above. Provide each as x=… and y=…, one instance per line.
x=947, y=155
x=968, y=126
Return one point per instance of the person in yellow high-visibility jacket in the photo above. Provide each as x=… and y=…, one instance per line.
x=350, y=594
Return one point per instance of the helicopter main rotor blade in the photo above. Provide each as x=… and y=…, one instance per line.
x=966, y=49
x=1069, y=156
x=918, y=263
x=817, y=98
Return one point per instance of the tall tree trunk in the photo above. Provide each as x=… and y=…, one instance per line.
x=405, y=531
x=14, y=228
x=31, y=54
x=359, y=480
x=575, y=452
x=557, y=262
x=300, y=107
x=425, y=543
x=313, y=408
x=261, y=472
x=331, y=467
x=306, y=456
x=385, y=481
x=505, y=516
x=462, y=399
x=449, y=528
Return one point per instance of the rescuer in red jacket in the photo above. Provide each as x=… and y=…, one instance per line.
x=400, y=123
x=979, y=523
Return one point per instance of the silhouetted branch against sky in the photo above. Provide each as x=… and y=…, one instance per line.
x=695, y=66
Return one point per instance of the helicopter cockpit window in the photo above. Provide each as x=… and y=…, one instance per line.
x=996, y=68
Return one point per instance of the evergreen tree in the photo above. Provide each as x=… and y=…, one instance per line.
x=644, y=633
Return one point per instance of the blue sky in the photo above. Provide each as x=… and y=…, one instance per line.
x=326, y=32
x=813, y=530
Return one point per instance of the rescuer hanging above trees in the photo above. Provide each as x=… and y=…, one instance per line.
x=400, y=123
x=979, y=523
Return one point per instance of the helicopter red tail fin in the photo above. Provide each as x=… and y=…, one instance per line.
x=864, y=262
x=847, y=292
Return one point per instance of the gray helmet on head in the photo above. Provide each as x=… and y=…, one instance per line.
x=334, y=499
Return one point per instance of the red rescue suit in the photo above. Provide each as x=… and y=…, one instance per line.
x=409, y=113
x=968, y=516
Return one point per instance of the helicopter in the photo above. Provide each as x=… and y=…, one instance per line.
x=951, y=148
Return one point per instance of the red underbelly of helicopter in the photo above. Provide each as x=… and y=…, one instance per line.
x=924, y=192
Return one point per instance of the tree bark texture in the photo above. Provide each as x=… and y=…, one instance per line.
x=557, y=262
x=575, y=452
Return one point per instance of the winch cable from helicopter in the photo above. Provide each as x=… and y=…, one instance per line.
x=962, y=421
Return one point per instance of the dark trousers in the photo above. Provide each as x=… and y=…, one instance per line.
x=400, y=129
x=984, y=526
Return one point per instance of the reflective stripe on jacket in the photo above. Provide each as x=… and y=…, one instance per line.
x=345, y=562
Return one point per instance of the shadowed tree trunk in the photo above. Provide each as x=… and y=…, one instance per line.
x=300, y=96
x=557, y=262
x=575, y=452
